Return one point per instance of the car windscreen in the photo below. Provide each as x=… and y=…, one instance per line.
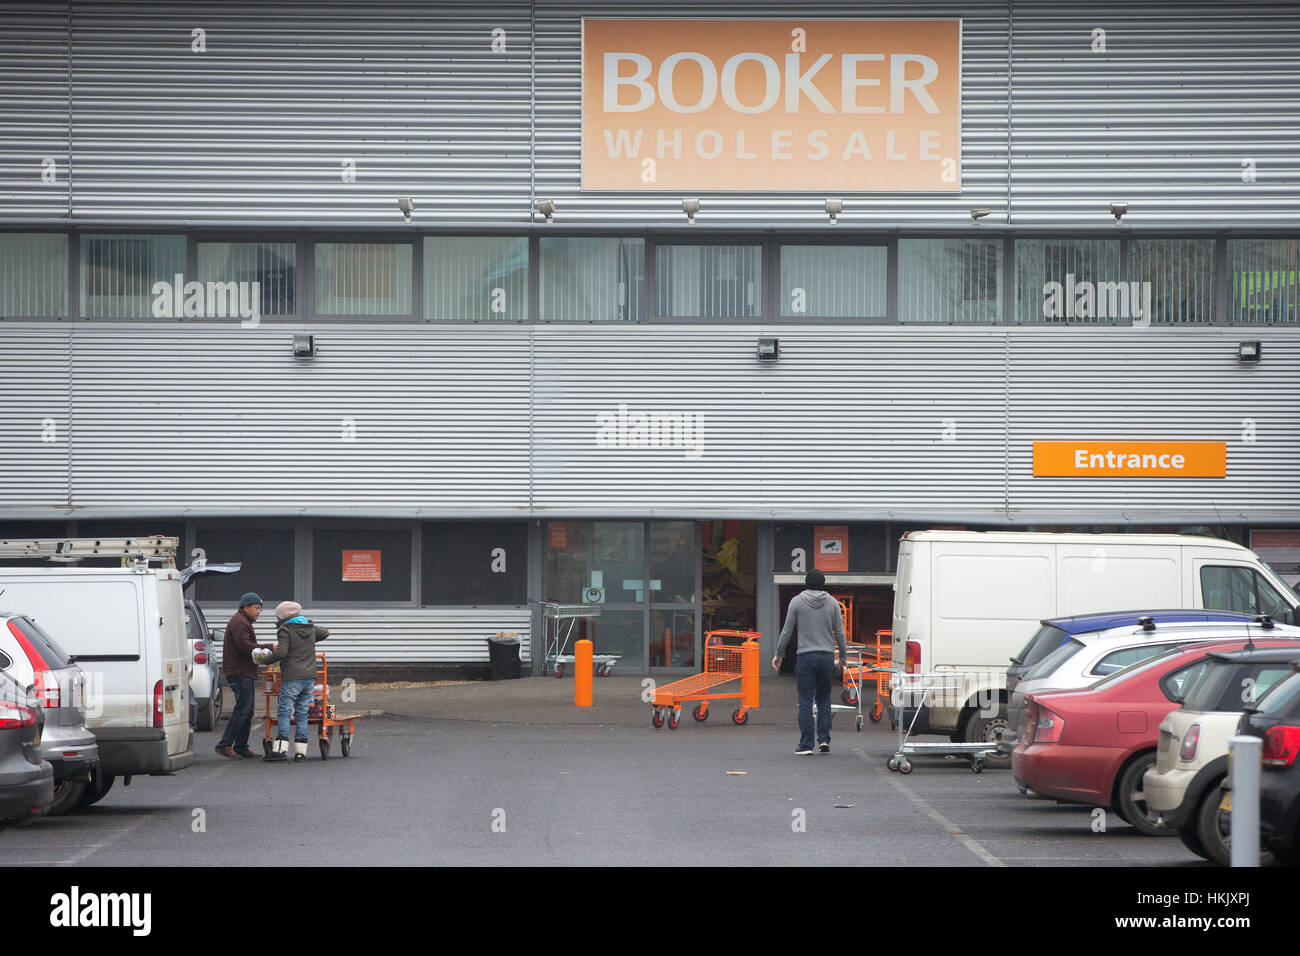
x=1048, y=639
x=49, y=649
x=1228, y=686
x=1054, y=660
x=1282, y=698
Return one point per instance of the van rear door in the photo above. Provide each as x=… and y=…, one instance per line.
x=174, y=673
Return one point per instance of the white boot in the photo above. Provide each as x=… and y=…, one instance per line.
x=300, y=750
x=279, y=750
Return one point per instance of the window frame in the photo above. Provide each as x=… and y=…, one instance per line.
x=773, y=279
x=414, y=240
x=307, y=552
x=301, y=267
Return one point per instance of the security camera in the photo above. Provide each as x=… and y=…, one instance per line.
x=833, y=209
x=547, y=208
x=1118, y=210
x=977, y=214
x=690, y=207
x=405, y=204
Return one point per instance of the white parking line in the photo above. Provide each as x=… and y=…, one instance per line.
x=967, y=841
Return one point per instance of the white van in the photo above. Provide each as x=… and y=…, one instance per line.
x=125, y=628
x=968, y=601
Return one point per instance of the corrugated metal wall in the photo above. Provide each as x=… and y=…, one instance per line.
x=258, y=128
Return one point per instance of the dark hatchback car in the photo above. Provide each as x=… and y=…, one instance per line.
x=1275, y=717
x=26, y=781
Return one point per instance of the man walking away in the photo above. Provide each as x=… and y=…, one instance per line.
x=241, y=673
x=817, y=618
x=297, y=638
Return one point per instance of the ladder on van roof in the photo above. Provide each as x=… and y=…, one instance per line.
x=156, y=547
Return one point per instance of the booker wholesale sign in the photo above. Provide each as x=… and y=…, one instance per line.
x=826, y=105
x=1130, y=459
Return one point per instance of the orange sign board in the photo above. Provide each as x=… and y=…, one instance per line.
x=1130, y=459
x=361, y=565
x=831, y=547
x=830, y=106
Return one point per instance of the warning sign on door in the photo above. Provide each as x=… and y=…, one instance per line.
x=831, y=547
x=361, y=566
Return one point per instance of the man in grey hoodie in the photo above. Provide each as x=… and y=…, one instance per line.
x=818, y=619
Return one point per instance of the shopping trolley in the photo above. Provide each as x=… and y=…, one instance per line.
x=557, y=629
x=724, y=663
x=321, y=712
x=910, y=692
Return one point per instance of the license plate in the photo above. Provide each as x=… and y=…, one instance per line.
x=1225, y=804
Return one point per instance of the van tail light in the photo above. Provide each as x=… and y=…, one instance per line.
x=1043, y=726
x=13, y=716
x=47, y=684
x=158, y=704
x=1191, y=740
x=1281, y=745
x=912, y=661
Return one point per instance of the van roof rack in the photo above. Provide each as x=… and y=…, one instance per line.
x=155, y=547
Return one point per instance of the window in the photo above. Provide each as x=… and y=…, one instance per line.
x=361, y=564
x=1118, y=660
x=1068, y=280
x=1242, y=589
x=1176, y=684
x=475, y=279
x=838, y=282
x=592, y=280
x=1048, y=665
x=709, y=282
x=267, y=555
x=609, y=555
x=1048, y=639
x=1264, y=281
x=474, y=562
x=269, y=265
x=363, y=278
x=33, y=275
x=950, y=280
x=119, y=274
x=1171, y=281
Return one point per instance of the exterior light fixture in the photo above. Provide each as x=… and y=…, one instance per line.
x=834, y=207
x=1249, y=351
x=1118, y=210
x=547, y=208
x=690, y=207
x=405, y=204
x=977, y=214
x=304, y=346
x=769, y=349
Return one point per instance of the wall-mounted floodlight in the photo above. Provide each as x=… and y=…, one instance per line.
x=304, y=346
x=690, y=207
x=834, y=207
x=1250, y=351
x=977, y=214
x=407, y=206
x=1119, y=210
x=547, y=208
x=769, y=349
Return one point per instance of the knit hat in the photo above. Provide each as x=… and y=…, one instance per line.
x=287, y=609
x=815, y=580
x=250, y=598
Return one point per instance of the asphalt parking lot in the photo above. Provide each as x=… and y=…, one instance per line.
x=495, y=774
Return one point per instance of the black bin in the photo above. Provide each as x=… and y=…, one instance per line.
x=503, y=655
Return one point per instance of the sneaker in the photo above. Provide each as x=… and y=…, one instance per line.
x=825, y=748
x=803, y=752
x=227, y=751
x=276, y=755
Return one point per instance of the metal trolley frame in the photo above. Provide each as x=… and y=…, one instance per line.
x=321, y=713
x=910, y=692
x=556, y=634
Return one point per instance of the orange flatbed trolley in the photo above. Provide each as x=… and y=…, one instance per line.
x=723, y=663
x=321, y=713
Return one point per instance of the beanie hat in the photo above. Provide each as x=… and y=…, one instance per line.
x=250, y=598
x=287, y=609
x=815, y=579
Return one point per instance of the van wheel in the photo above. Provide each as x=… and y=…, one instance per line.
x=96, y=790
x=984, y=730
x=67, y=795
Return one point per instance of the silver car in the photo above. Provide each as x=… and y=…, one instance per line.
x=36, y=662
x=26, y=781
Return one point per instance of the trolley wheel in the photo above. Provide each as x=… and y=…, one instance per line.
x=559, y=670
x=739, y=718
x=849, y=696
x=345, y=744
x=324, y=747
x=905, y=766
x=266, y=746
x=859, y=723
x=699, y=713
x=875, y=714
x=893, y=764
x=656, y=717
x=976, y=766
x=674, y=718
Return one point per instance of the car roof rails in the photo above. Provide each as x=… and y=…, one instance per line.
x=1265, y=621
x=1148, y=623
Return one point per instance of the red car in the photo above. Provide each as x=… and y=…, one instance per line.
x=1093, y=746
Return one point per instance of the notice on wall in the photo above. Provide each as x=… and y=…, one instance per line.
x=559, y=534
x=1280, y=550
x=831, y=547
x=361, y=566
x=1130, y=459
x=832, y=106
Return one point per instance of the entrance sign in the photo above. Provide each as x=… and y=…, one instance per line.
x=831, y=106
x=1130, y=459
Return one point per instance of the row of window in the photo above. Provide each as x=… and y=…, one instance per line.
x=604, y=279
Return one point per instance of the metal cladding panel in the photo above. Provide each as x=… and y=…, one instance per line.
x=33, y=110
x=224, y=419
x=410, y=636
x=1163, y=119
x=34, y=417
x=1135, y=384
x=259, y=127
x=559, y=120
x=848, y=421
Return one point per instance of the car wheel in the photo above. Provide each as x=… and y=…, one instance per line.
x=218, y=706
x=67, y=794
x=1131, y=799
x=100, y=784
x=203, y=720
x=984, y=730
x=1214, y=830
x=1192, y=840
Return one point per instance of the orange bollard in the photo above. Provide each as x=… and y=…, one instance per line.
x=582, y=674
